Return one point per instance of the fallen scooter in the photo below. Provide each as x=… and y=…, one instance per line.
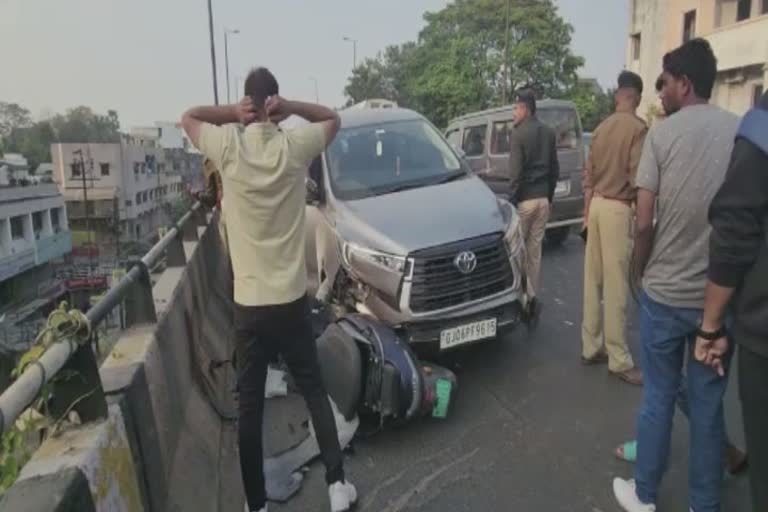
x=369, y=373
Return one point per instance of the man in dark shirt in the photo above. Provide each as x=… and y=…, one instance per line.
x=738, y=275
x=534, y=171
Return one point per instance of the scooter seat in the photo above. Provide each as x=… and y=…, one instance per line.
x=342, y=369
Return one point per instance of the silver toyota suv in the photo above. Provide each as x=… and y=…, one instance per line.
x=398, y=228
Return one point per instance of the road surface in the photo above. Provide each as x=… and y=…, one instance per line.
x=531, y=428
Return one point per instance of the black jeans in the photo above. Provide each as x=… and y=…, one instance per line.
x=262, y=333
x=753, y=389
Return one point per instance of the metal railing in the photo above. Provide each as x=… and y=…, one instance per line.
x=85, y=395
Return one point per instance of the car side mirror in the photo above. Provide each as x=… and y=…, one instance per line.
x=313, y=192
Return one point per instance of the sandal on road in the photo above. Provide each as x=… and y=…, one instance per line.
x=737, y=461
x=627, y=451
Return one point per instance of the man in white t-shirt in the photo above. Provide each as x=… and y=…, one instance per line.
x=263, y=170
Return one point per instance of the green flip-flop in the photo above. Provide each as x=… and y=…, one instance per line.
x=627, y=451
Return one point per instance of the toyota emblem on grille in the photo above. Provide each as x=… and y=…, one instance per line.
x=466, y=262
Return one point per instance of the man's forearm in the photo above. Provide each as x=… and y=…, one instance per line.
x=715, y=304
x=587, y=202
x=312, y=112
x=642, y=251
x=217, y=115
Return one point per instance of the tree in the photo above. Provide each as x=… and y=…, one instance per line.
x=13, y=116
x=369, y=80
x=593, y=104
x=18, y=134
x=383, y=77
x=458, y=63
x=33, y=142
x=81, y=124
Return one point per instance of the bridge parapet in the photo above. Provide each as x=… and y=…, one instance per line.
x=159, y=433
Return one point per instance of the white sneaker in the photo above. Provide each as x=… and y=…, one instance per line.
x=626, y=495
x=249, y=510
x=343, y=495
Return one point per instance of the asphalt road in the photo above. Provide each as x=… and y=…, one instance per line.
x=531, y=428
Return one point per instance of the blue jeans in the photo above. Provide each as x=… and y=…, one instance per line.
x=667, y=337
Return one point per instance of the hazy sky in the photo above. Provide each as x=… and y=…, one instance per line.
x=150, y=59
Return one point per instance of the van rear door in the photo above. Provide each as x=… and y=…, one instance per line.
x=565, y=122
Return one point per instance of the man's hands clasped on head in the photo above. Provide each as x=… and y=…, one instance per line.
x=278, y=109
x=246, y=111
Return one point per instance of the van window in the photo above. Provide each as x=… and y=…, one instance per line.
x=500, y=137
x=565, y=123
x=453, y=138
x=474, y=140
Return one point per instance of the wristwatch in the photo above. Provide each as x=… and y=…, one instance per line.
x=711, y=335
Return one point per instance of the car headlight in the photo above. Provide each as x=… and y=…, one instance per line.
x=352, y=253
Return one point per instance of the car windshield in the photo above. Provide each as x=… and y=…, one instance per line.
x=565, y=123
x=383, y=158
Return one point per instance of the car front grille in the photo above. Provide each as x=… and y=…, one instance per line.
x=437, y=282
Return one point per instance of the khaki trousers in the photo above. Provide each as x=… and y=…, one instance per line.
x=534, y=215
x=606, y=276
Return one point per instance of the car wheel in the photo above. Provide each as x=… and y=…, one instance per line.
x=555, y=237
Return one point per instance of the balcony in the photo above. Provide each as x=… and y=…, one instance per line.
x=742, y=44
x=52, y=247
x=19, y=193
x=17, y=263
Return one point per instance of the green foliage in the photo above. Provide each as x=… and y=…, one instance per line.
x=383, y=77
x=81, y=124
x=458, y=63
x=19, y=134
x=593, y=106
x=16, y=443
x=13, y=456
x=13, y=116
x=34, y=142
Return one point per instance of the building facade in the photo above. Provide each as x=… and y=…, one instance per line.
x=14, y=169
x=180, y=155
x=125, y=186
x=34, y=232
x=736, y=29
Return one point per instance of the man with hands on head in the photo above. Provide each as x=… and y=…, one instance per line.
x=263, y=170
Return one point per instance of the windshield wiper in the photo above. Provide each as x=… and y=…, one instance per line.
x=401, y=188
x=422, y=183
x=451, y=177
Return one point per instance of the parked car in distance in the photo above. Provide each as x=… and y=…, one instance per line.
x=483, y=137
x=399, y=229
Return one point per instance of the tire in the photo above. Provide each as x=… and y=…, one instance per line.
x=556, y=236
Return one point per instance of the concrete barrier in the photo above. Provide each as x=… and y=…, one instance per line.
x=169, y=442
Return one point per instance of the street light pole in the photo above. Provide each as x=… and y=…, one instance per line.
x=213, y=54
x=86, y=209
x=238, y=89
x=354, y=50
x=506, y=57
x=226, y=58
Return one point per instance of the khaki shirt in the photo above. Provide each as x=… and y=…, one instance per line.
x=263, y=173
x=617, y=144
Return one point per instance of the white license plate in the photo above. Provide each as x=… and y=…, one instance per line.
x=563, y=188
x=467, y=333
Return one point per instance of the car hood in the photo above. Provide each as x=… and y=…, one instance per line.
x=403, y=222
